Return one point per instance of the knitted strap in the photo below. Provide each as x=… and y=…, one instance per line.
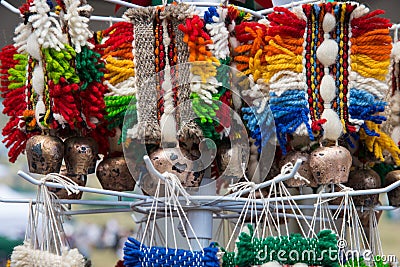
x=148, y=127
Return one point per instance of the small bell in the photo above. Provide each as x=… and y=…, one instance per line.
x=80, y=155
x=304, y=170
x=62, y=193
x=361, y=180
x=394, y=195
x=330, y=164
x=113, y=174
x=179, y=162
x=45, y=154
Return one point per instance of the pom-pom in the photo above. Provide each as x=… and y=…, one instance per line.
x=327, y=52
x=329, y=22
x=38, y=79
x=333, y=126
x=328, y=88
x=33, y=47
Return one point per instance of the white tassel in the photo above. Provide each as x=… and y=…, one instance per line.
x=33, y=47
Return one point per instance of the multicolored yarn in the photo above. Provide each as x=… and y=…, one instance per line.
x=298, y=44
x=16, y=92
x=203, y=72
x=256, y=251
x=137, y=254
x=216, y=26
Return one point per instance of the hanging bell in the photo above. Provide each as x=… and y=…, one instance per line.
x=80, y=155
x=330, y=164
x=45, y=154
x=113, y=174
x=179, y=162
x=364, y=216
x=62, y=193
x=304, y=170
x=361, y=180
x=394, y=195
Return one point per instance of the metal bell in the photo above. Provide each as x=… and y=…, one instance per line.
x=45, y=154
x=179, y=162
x=80, y=154
x=62, y=193
x=330, y=164
x=394, y=195
x=364, y=179
x=304, y=170
x=113, y=174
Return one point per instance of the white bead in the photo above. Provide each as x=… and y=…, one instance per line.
x=333, y=126
x=328, y=88
x=38, y=79
x=327, y=52
x=329, y=22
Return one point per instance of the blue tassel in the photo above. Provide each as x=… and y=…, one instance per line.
x=290, y=110
x=364, y=105
x=139, y=255
x=211, y=12
x=50, y=4
x=260, y=125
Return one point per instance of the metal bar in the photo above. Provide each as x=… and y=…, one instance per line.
x=277, y=179
x=81, y=188
x=10, y=7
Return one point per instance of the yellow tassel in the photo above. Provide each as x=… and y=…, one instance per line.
x=377, y=144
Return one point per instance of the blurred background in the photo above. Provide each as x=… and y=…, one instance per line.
x=100, y=237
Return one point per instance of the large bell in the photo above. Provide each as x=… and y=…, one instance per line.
x=330, y=164
x=361, y=180
x=62, y=193
x=304, y=170
x=394, y=195
x=179, y=162
x=80, y=154
x=113, y=174
x=45, y=154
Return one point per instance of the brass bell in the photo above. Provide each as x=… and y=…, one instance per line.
x=62, y=193
x=361, y=180
x=330, y=164
x=394, y=195
x=304, y=170
x=80, y=155
x=113, y=174
x=45, y=154
x=179, y=162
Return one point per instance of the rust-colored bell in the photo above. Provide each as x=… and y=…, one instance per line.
x=304, y=170
x=113, y=174
x=394, y=195
x=330, y=164
x=362, y=179
x=45, y=154
x=62, y=193
x=80, y=153
x=179, y=162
